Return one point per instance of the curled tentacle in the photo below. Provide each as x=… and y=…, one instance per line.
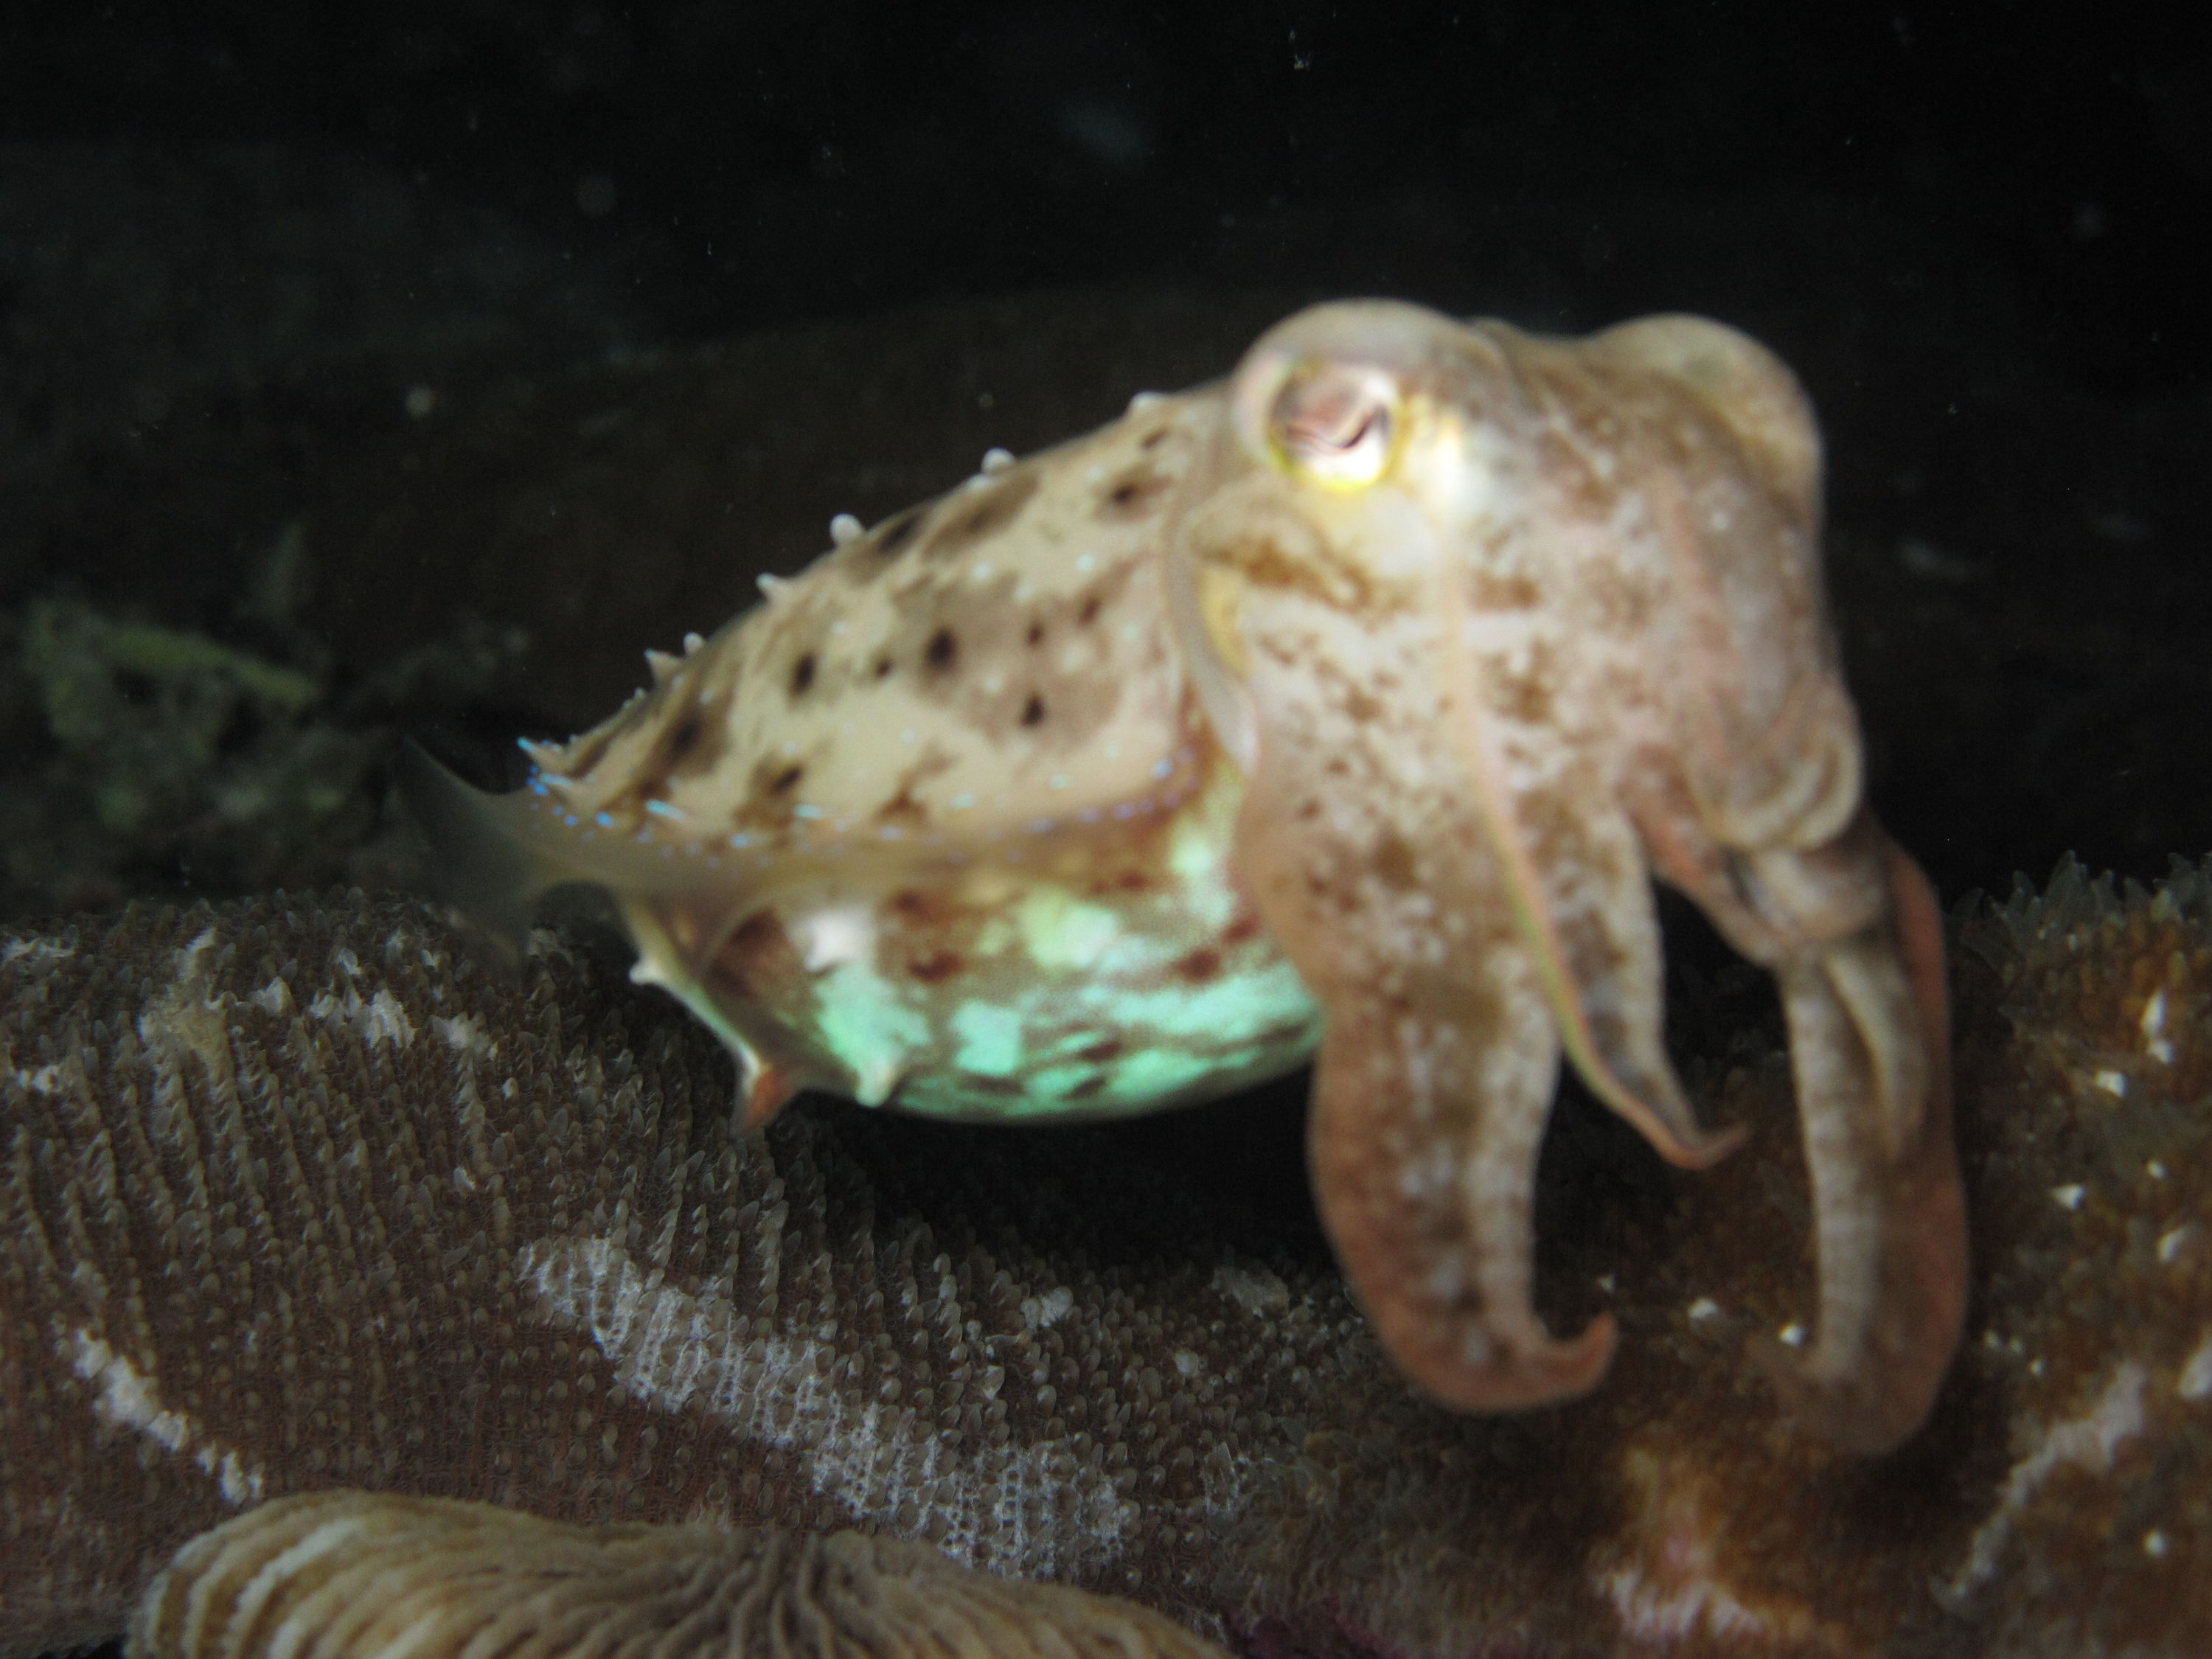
x=1497, y=626
x=1462, y=892
x=1869, y=1044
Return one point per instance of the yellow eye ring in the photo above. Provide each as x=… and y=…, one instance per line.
x=1336, y=423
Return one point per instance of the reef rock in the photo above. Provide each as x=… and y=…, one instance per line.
x=297, y=1196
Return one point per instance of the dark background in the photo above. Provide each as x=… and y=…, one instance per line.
x=746, y=164
x=233, y=237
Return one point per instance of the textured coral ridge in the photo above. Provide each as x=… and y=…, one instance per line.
x=295, y=1197
x=352, y=1573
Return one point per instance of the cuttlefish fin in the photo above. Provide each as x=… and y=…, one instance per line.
x=490, y=859
x=1870, y=1041
x=352, y=1575
x=494, y=856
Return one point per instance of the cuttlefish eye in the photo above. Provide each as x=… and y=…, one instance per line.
x=1335, y=423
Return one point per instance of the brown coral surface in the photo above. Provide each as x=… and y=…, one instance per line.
x=298, y=1195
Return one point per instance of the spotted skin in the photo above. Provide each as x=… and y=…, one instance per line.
x=1500, y=627
x=1374, y=683
x=941, y=821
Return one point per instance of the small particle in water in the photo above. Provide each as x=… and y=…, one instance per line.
x=596, y=195
x=420, y=400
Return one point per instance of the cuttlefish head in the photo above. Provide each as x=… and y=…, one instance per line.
x=1500, y=627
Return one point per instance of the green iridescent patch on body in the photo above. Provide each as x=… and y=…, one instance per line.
x=1074, y=1004
x=1254, y=1024
x=869, y=1027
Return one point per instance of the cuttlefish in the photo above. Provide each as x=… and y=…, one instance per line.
x=1352, y=702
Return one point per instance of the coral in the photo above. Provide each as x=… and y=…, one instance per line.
x=2090, y=1068
x=450, y=1578
x=298, y=1196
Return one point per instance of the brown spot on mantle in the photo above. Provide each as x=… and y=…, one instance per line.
x=1001, y=503
x=1133, y=495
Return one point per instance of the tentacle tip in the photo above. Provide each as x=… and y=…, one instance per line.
x=1491, y=1375
x=1865, y=1410
x=1701, y=1150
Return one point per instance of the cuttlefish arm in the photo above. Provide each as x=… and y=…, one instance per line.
x=1497, y=625
x=1756, y=814
x=1863, y=996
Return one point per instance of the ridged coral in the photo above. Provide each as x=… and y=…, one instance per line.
x=297, y=1196
x=348, y=1576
